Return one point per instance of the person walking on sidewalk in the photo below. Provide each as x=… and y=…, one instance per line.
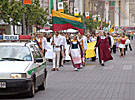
x=83, y=43
x=128, y=43
x=63, y=45
x=104, y=49
x=76, y=53
x=122, y=45
x=56, y=50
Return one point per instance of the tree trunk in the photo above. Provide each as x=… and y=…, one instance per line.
x=26, y=27
x=14, y=29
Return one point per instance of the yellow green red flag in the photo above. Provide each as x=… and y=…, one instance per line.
x=63, y=21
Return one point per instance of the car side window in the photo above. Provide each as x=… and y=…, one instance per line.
x=39, y=51
x=35, y=52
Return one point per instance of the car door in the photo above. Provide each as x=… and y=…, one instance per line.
x=40, y=65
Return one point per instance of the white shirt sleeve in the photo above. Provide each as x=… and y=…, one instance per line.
x=44, y=43
x=85, y=43
x=112, y=40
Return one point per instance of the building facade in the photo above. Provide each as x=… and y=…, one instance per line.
x=121, y=12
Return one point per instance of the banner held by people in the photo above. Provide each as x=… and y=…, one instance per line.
x=90, y=52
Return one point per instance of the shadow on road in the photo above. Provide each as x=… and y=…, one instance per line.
x=20, y=96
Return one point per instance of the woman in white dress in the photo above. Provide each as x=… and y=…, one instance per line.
x=75, y=53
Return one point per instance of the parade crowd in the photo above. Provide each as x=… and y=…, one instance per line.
x=61, y=46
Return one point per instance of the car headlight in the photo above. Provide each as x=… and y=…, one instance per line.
x=18, y=76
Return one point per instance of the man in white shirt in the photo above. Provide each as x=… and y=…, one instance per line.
x=56, y=50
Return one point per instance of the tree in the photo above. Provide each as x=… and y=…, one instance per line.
x=16, y=11
x=4, y=9
x=35, y=15
x=11, y=12
x=66, y=8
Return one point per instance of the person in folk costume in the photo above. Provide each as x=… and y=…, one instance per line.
x=48, y=37
x=97, y=49
x=44, y=43
x=63, y=45
x=33, y=37
x=39, y=40
x=104, y=49
x=56, y=51
x=131, y=35
x=110, y=40
x=115, y=38
x=83, y=46
x=88, y=38
x=76, y=53
x=92, y=39
x=122, y=45
x=68, y=40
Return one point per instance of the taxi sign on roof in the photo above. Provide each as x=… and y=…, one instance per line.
x=10, y=37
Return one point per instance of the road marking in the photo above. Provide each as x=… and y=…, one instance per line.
x=127, y=67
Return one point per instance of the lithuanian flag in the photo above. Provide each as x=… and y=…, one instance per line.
x=63, y=22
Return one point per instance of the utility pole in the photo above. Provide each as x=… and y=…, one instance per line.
x=92, y=7
x=23, y=22
x=84, y=8
x=97, y=8
x=73, y=6
x=56, y=5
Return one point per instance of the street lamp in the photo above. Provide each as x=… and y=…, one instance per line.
x=56, y=5
x=23, y=21
x=84, y=8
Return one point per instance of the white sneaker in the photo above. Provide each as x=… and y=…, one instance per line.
x=75, y=69
x=81, y=67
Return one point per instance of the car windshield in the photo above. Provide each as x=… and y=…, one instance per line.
x=15, y=53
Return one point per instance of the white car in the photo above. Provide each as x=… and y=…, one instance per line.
x=22, y=68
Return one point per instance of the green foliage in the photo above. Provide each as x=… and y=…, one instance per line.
x=4, y=8
x=90, y=24
x=11, y=12
x=66, y=8
x=35, y=15
x=15, y=12
x=105, y=25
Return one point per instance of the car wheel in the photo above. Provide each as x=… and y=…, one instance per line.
x=31, y=93
x=43, y=85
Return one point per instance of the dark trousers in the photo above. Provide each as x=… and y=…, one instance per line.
x=131, y=37
x=61, y=56
x=114, y=48
x=130, y=47
x=93, y=58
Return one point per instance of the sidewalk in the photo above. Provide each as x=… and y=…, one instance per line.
x=114, y=81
